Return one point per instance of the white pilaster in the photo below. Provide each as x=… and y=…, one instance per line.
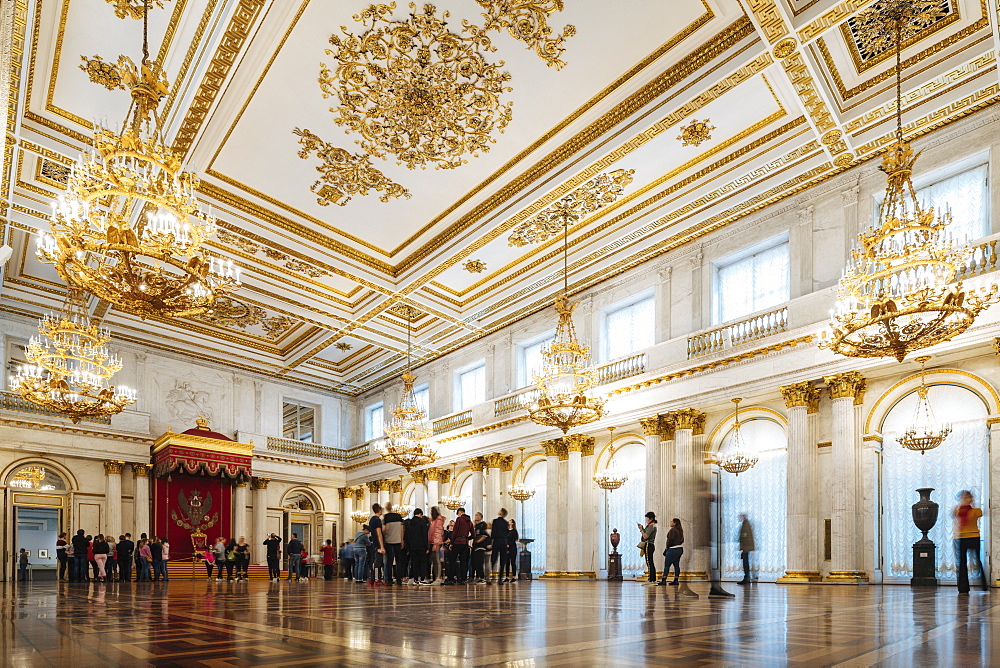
x=552, y=496
x=802, y=402
x=691, y=487
x=240, y=510
x=141, y=474
x=113, y=497
x=478, y=486
x=493, y=486
x=259, y=519
x=652, y=429
x=994, y=517
x=574, y=499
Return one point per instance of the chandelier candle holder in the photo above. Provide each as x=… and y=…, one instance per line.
x=520, y=491
x=611, y=478
x=925, y=432
x=69, y=366
x=407, y=432
x=129, y=228
x=737, y=459
x=898, y=293
x=360, y=516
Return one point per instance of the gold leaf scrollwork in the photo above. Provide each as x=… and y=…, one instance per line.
x=910, y=16
x=344, y=173
x=527, y=21
x=696, y=133
x=474, y=266
x=595, y=194
x=247, y=246
x=415, y=90
x=133, y=9
x=232, y=313
x=102, y=73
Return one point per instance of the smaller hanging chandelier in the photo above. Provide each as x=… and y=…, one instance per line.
x=737, y=459
x=520, y=491
x=29, y=477
x=360, y=516
x=925, y=433
x=70, y=366
x=408, y=430
x=611, y=478
x=452, y=501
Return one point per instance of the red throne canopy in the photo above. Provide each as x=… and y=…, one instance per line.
x=201, y=451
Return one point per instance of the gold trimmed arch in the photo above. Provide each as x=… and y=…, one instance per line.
x=746, y=415
x=619, y=441
x=892, y=396
x=71, y=482
x=307, y=492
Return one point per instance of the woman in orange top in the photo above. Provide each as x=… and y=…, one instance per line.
x=967, y=539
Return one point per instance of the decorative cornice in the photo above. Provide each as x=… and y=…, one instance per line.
x=113, y=467
x=688, y=418
x=801, y=394
x=140, y=470
x=847, y=385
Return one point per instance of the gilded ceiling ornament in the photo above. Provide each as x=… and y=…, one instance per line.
x=55, y=171
x=304, y=268
x=101, y=72
x=344, y=173
x=527, y=21
x=868, y=27
x=474, y=266
x=233, y=313
x=133, y=9
x=695, y=133
x=291, y=264
x=343, y=346
x=416, y=90
x=785, y=48
x=595, y=194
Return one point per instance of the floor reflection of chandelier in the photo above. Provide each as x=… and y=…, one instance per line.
x=737, y=459
x=128, y=228
x=70, y=367
x=611, y=478
x=519, y=491
x=925, y=433
x=408, y=430
x=896, y=295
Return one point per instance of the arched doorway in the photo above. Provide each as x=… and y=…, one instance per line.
x=533, y=514
x=38, y=499
x=303, y=516
x=625, y=506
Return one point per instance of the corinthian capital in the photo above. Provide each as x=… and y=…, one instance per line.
x=651, y=426
x=140, y=470
x=419, y=477
x=477, y=463
x=551, y=447
x=113, y=467
x=801, y=394
x=850, y=384
x=494, y=460
x=688, y=418
x=579, y=443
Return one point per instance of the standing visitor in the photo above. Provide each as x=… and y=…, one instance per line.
x=480, y=546
x=78, y=569
x=377, y=547
x=392, y=533
x=242, y=559
x=273, y=547
x=647, y=544
x=500, y=530
x=90, y=557
x=144, y=560
x=208, y=556
x=61, y=545
x=746, y=547
x=126, y=548
x=362, y=543
x=347, y=560
x=512, y=538
x=111, y=567
x=22, y=565
x=675, y=538
x=220, y=557
x=294, y=551
x=450, y=555
x=156, y=549
x=967, y=540
x=328, y=551
x=166, y=556
x=418, y=548
x=461, y=535
x=100, y=548
x=435, y=539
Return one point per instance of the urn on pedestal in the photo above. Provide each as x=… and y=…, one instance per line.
x=615, y=559
x=925, y=514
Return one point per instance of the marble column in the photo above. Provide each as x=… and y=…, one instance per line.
x=384, y=487
x=593, y=542
x=652, y=428
x=506, y=473
x=691, y=486
x=396, y=493
x=476, y=502
x=140, y=472
x=494, y=486
x=420, y=491
x=994, y=423
x=240, y=510
x=373, y=493
x=259, y=518
x=113, y=497
x=435, y=477
x=846, y=391
x=346, y=508
x=576, y=548
x=553, y=523
x=801, y=400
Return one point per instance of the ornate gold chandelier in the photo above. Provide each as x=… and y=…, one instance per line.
x=520, y=491
x=925, y=432
x=611, y=478
x=360, y=516
x=70, y=367
x=29, y=477
x=896, y=295
x=737, y=459
x=416, y=90
x=452, y=501
x=408, y=430
x=129, y=228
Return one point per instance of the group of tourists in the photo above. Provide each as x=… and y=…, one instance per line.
x=390, y=550
x=101, y=558
x=231, y=555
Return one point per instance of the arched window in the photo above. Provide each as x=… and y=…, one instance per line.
x=624, y=507
x=961, y=462
x=533, y=515
x=36, y=477
x=465, y=491
x=760, y=494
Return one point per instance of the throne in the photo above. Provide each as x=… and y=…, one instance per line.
x=199, y=541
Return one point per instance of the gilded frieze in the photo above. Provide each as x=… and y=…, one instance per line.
x=869, y=42
x=294, y=265
x=233, y=313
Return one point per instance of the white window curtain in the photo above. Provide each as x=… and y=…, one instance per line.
x=766, y=511
x=374, y=425
x=471, y=388
x=533, y=515
x=422, y=395
x=625, y=507
x=966, y=195
x=752, y=284
x=961, y=462
x=531, y=361
x=630, y=329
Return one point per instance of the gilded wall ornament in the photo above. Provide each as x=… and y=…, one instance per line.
x=695, y=133
x=595, y=194
x=102, y=73
x=416, y=90
x=133, y=9
x=527, y=21
x=344, y=173
x=868, y=27
x=474, y=266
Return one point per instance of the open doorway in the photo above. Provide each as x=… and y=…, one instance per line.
x=36, y=530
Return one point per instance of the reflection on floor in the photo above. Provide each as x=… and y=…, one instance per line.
x=185, y=622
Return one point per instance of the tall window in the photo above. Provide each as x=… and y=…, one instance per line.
x=298, y=421
x=374, y=421
x=625, y=507
x=966, y=195
x=470, y=387
x=531, y=360
x=533, y=515
x=629, y=329
x=422, y=395
x=752, y=281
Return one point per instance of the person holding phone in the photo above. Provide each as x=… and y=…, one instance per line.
x=648, y=544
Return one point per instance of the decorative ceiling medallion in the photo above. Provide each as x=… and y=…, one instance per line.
x=343, y=346
x=527, y=21
x=343, y=173
x=405, y=311
x=474, y=266
x=54, y=171
x=416, y=90
x=872, y=43
x=133, y=9
x=102, y=73
x=233, y=313
x=247, y=246
x=695, y=133
x=595, y=194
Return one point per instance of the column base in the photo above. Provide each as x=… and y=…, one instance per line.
x=693, y=576
x=846, y=577
x=791, y=577
x=568, y=575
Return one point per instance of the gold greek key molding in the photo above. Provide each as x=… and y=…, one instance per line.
x=830, y=18
x=688, y=418
x=140, y=470
x=113, y=467
x=801, y=394
x=798, y=73
x=769, y=17
x=850, y=384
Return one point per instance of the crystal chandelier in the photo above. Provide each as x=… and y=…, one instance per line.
x=360, y=516
x=896, y=294
x=70, y=367
x=611, y=478
x=520, y=491
x=29, y=477
x=408, y=430
x=128, y=228
x=453, y=501
x=925, y=433
x=566, y=375
x=737, y=459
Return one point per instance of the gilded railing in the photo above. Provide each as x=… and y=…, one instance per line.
x=514, y=402
x=463, y=419
x=15, y=402
x=293, y=447
x=751, y=329
x=626, y=367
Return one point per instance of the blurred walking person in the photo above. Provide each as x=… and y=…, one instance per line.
x=967, y=540
x=746, y=547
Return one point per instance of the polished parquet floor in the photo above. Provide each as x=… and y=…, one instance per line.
x=199, y=623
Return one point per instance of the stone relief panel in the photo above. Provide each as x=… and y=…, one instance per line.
x=183, y=393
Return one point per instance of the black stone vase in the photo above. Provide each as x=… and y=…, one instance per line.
x=925, y=514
